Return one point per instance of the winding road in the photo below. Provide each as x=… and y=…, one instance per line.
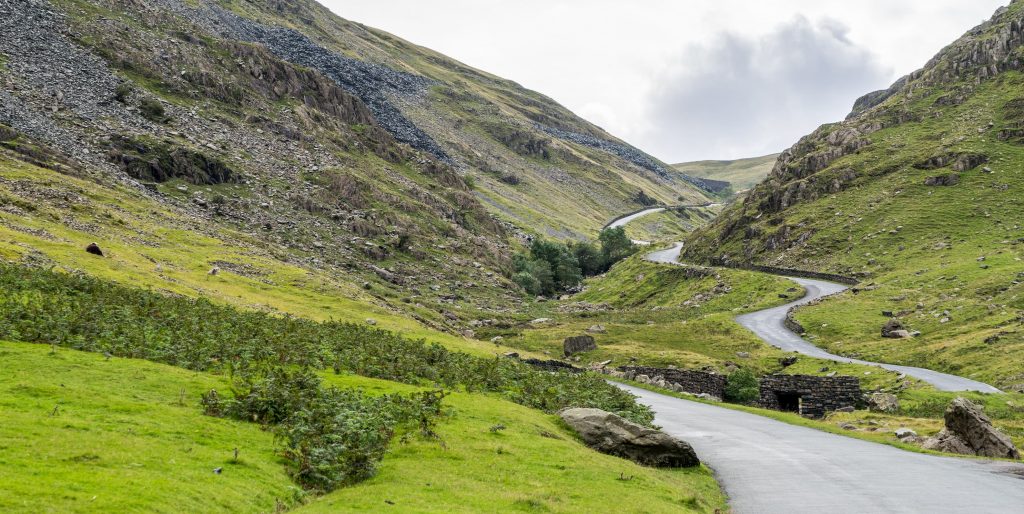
x=621, y=222
x=767, y=466
x=769, y=325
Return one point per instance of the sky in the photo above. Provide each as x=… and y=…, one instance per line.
x=688, y=79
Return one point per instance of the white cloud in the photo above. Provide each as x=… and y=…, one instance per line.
x=741, y=95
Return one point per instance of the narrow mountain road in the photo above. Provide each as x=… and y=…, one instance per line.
x=623, y=221
x=767, y=466
x=769, y=325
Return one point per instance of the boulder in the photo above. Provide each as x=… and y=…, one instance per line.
x=94, y=249
x=611, y=434
x=950, y=179
x=883, y=402
x=894, y=329
x=904, y=434
x=970, y=432
x=597, y=329
x=577, y=344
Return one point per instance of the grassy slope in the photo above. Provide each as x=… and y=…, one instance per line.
x=124, y=439
x=533, y=464
x=660, y=315
x=152, y=245
x=921, y=245
x=129, y=436
x=741, y=173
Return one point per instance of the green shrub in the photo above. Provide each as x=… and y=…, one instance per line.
x=741, y=386
x=95, y=315
x=152, y=110
x=330, y=437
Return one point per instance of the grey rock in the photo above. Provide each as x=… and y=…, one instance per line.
x=614, y=435
x=577, y=344
x=883, y=402
x=597, y=329
x=905, y=433
x=970, y=431
x=894, y=329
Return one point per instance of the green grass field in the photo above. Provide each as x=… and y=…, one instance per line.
x=86, y=434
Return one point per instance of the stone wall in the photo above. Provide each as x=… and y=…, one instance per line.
x=683, y=380
x=809, y=395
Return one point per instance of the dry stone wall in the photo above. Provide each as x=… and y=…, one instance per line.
x=810, y=396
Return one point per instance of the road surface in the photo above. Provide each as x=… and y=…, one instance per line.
x=767, y=467
x=768, y=325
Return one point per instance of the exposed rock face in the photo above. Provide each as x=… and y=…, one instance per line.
x=578, y=344
x=883, y=402
x=970, y=432
x=611, y=434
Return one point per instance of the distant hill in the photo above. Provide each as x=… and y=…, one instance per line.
x=741, y=173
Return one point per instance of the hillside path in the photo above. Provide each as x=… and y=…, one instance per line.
x=767, y=467
x=769, y=325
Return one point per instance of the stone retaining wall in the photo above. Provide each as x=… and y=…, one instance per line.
x=684, y=380
x=809, y=395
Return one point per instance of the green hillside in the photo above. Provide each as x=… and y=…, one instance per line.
x=918, y=194
x=129, y=436
x=741, y=173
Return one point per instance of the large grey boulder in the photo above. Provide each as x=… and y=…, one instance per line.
x=970, y=432
x=611, y=434
x=578, y=344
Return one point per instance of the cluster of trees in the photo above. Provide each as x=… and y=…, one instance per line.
x=550, y=267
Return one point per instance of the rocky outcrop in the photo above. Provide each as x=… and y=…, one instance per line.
x=372, y=83
x=970, y=432
x=578, y=344
x=611, y=434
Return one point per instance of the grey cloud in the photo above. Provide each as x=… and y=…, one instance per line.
x=741, y=96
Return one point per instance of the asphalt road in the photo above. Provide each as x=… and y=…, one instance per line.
x=767, y=467
x=768, y=325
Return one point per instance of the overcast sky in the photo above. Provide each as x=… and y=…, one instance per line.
x=693, y=79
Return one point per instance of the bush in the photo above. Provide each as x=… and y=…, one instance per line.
x=742, y=386
x=152, y=110
x=331, y=437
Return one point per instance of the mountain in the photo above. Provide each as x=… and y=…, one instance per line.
x=917, y=194
x=296, y=140
x=741, y=174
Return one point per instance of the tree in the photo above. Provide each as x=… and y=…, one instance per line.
x=742, y=386
x=615, y=246
x=589, y=258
